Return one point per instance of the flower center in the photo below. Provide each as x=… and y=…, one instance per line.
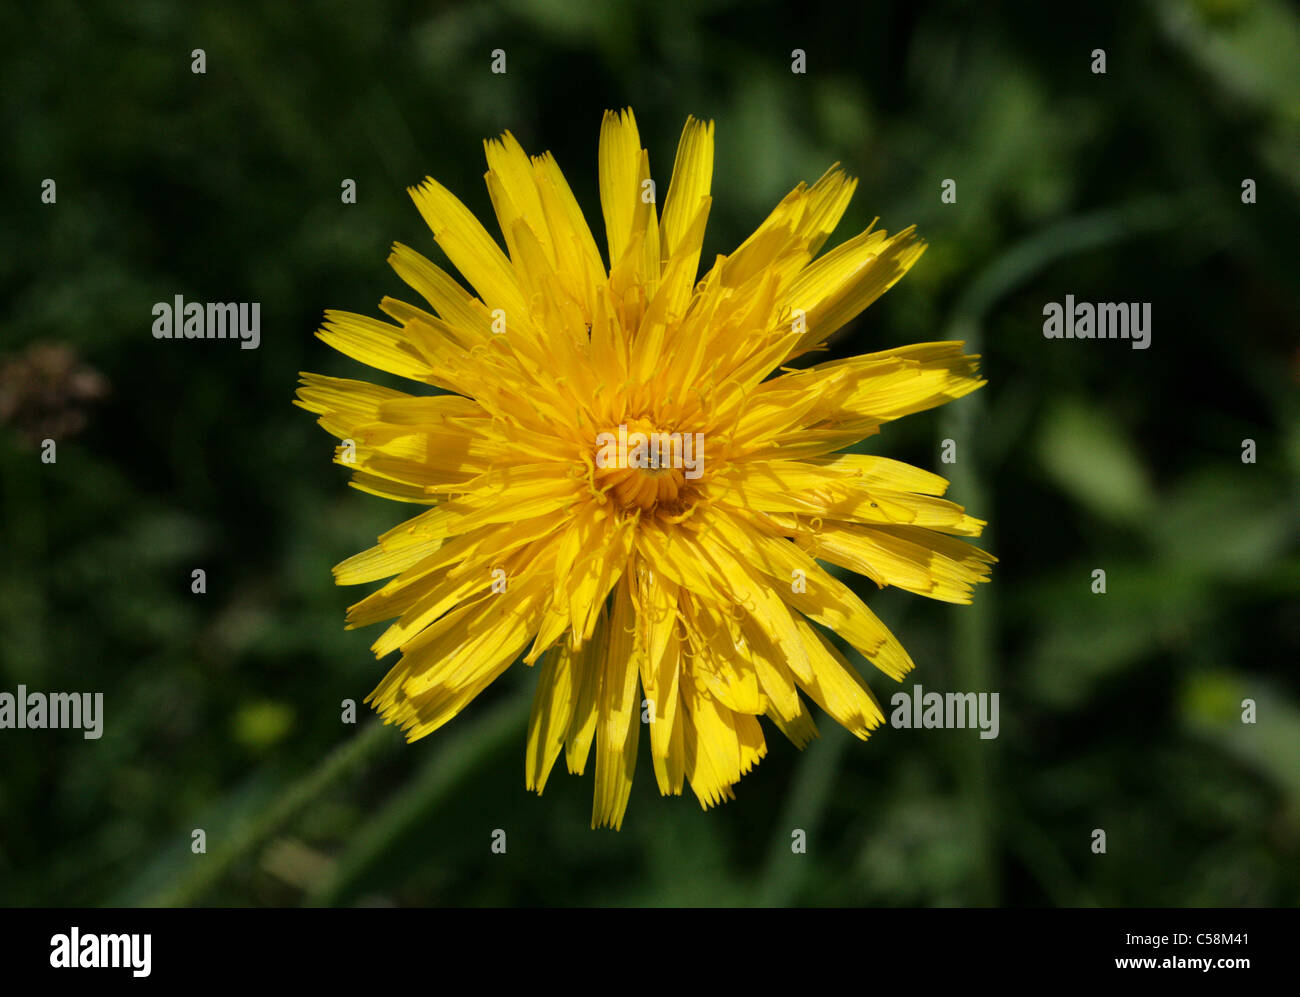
x=642, y=466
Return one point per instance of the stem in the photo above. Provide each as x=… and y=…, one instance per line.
x=974, y=630
x=440, y=777
x=784, y=871
x=339, y=763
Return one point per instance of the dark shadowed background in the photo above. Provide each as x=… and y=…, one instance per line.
x=1119, y=711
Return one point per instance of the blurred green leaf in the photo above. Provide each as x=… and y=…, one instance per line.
x=1087, y=453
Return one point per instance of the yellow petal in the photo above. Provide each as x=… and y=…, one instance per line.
x=836, y=686
x=512, y=167
x=553, y=704
x=619, y=163
x=343, y=404
x=689, y=187
x=837, y=287
x=375, y=343
x=619, y=717
x=470, y=249
x=911, y=558
x=590, y=672
x=466, y=314
x=659, y=658
x=577, y=260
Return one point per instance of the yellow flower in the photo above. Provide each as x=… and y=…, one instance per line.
x=623, y=482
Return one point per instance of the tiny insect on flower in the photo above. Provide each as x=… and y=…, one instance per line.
x=625, y=483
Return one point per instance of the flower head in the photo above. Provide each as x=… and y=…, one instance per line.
x=624, y=483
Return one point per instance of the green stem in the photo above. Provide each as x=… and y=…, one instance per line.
x=343, y=760
x=974, y=630
x=784, y=870
x=440, y=777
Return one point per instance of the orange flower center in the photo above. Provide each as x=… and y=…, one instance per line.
x=642, y=466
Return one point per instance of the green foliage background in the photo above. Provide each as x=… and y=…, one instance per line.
x=1118, y=711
